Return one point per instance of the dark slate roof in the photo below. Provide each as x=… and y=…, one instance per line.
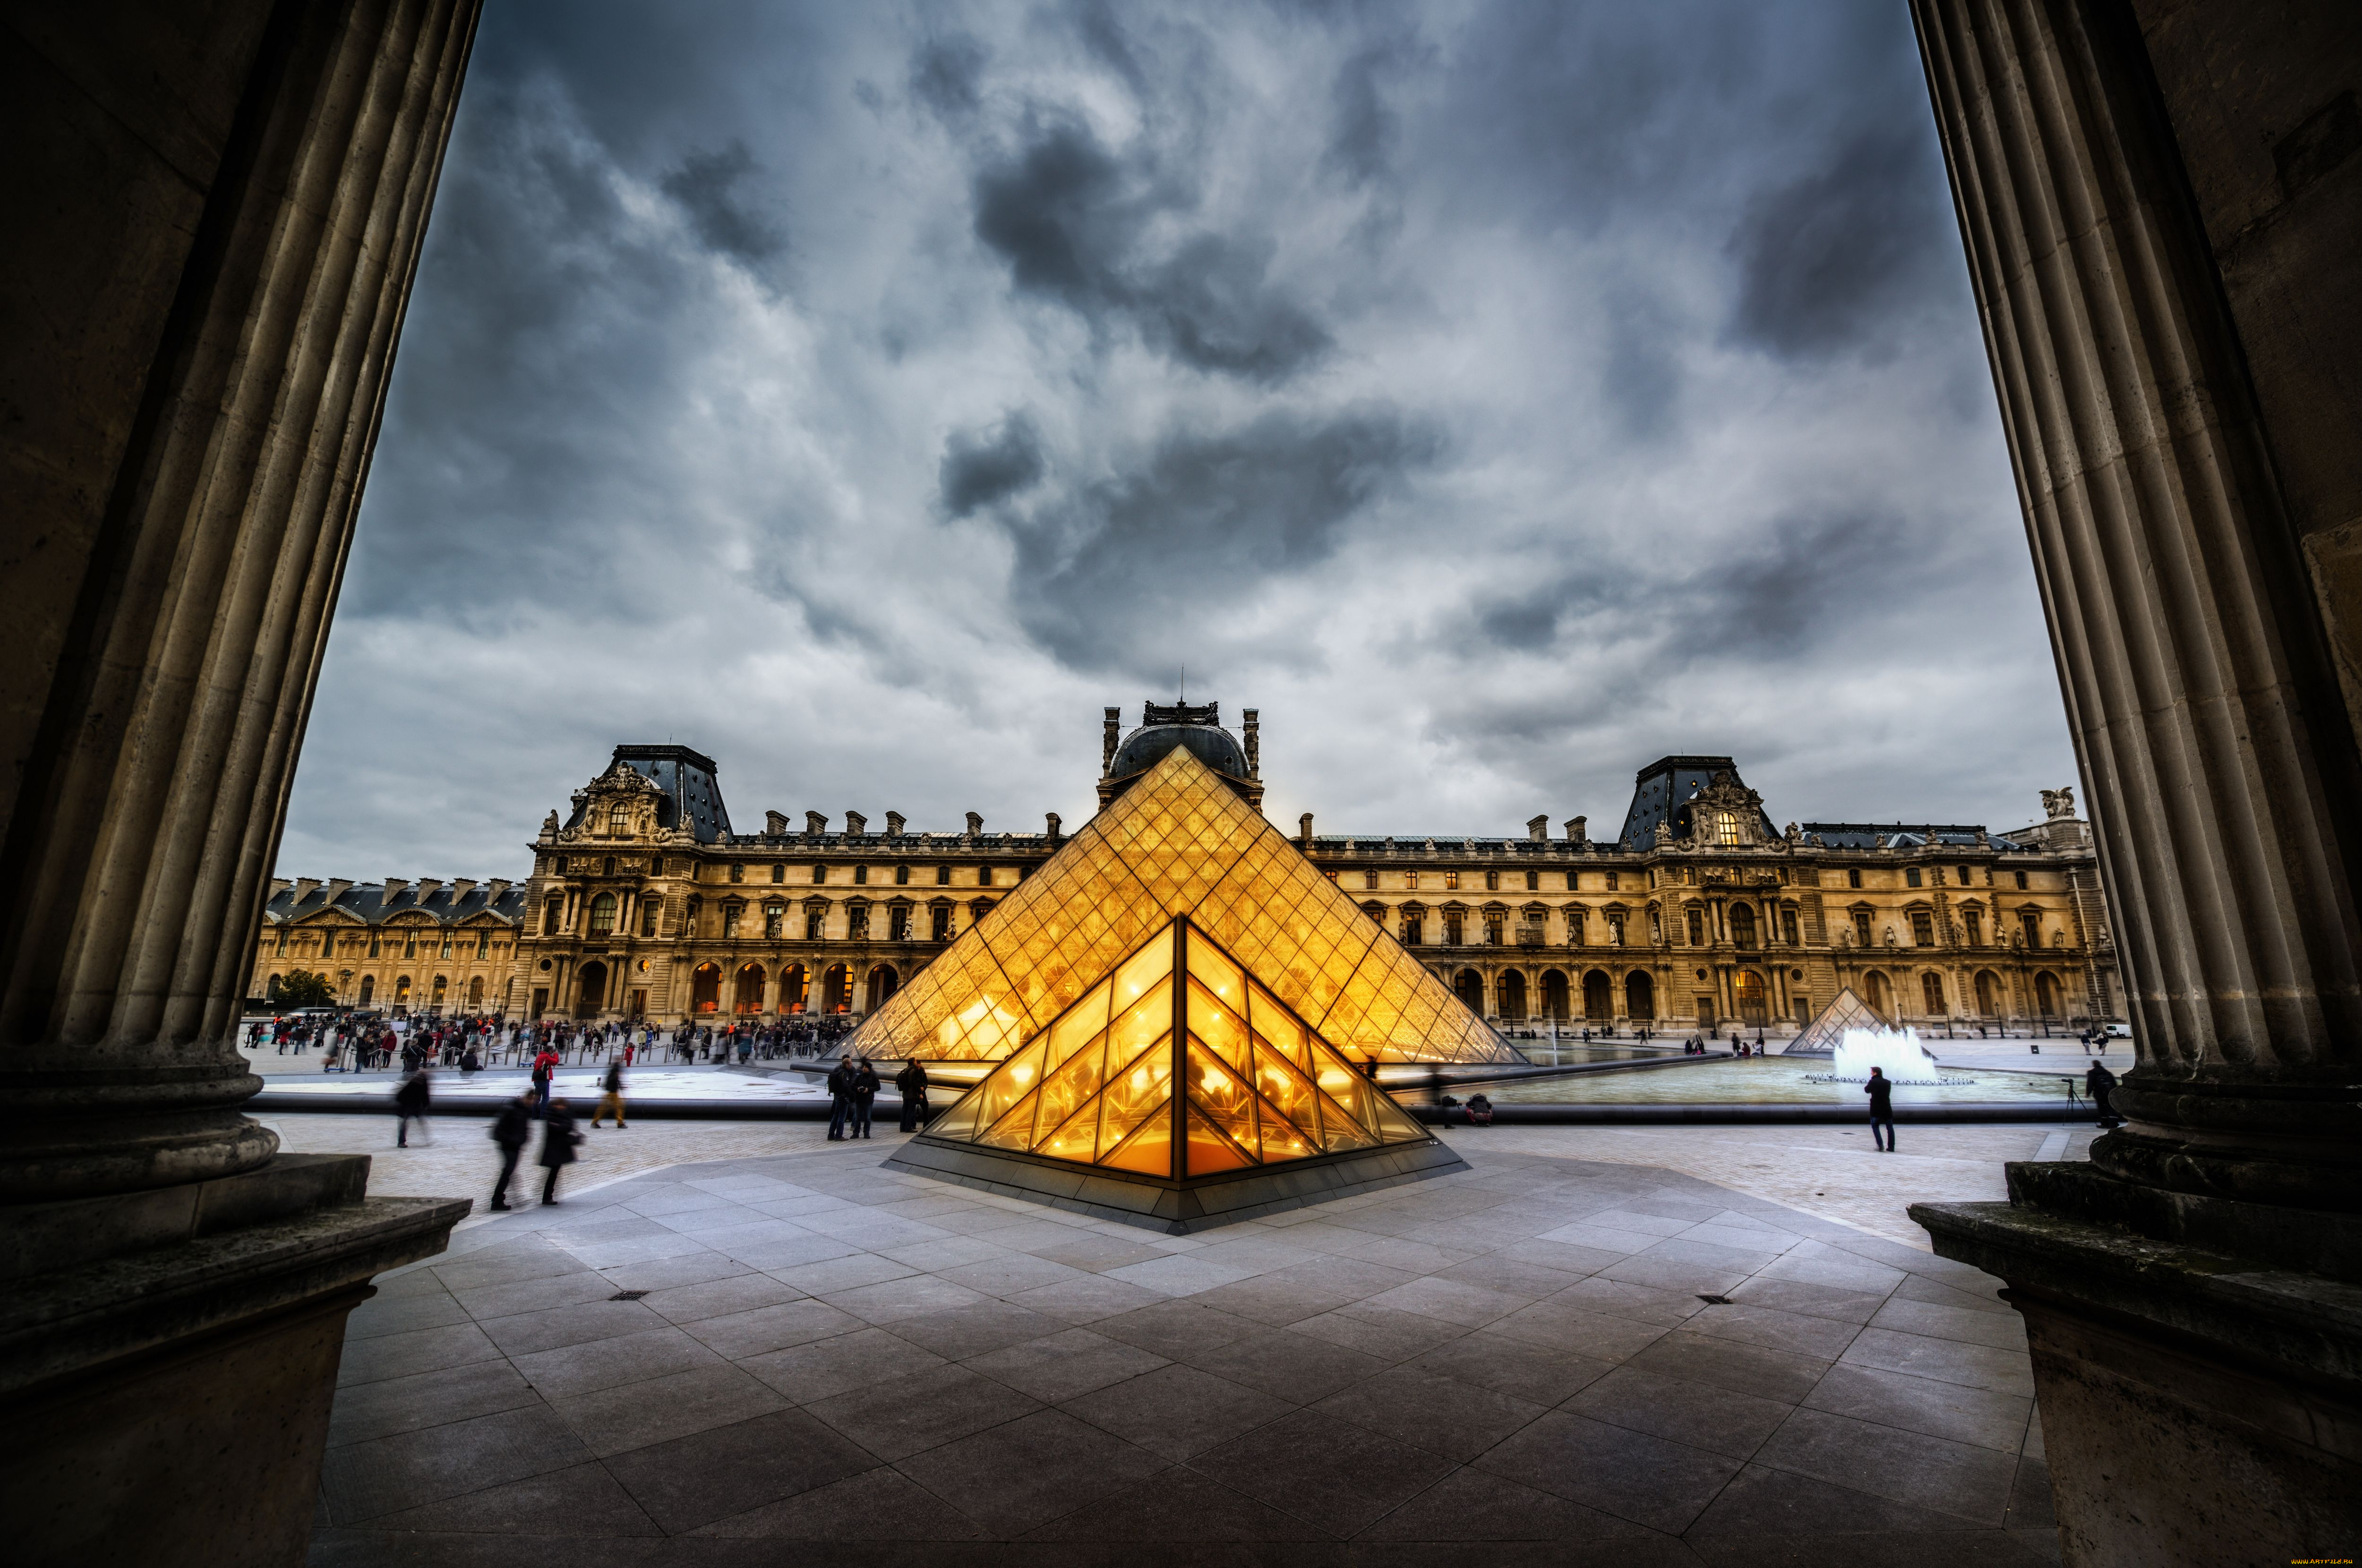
x=1660, y=790
x=1206, y=740
x=369, y=903
x=1898, y=835
x=692, y=795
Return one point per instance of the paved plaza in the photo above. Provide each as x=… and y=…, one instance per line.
x=725, y=1361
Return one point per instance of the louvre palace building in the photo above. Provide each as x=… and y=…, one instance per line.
x=1699, y=913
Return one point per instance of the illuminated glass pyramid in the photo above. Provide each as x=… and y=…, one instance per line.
x=1820, y=1037
x=1257, y=1086
x=1177, y=842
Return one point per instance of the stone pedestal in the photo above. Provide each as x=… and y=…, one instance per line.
x=2164, y=232
x=218, y=214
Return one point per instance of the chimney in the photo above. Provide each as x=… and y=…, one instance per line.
x=1304, y=830
x=975, y=824
x=461, y=886
x=1577, y=832
x=277, y=886
x=495, y=888
x=1538, y=828
x=394, y=885
x=775, y=823
x=426, y=886
x=1052, y=819
x=855, y=823
x=303, y=886
x=814, y=823
x=894, y=821
x=336, y=886
x=1254, y=746
x=1107, y=739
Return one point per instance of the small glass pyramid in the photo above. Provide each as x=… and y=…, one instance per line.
x=1178, y=842
x=1820, y=1037
x=1257, y=1086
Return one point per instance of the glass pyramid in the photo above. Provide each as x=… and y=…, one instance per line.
x=1820, y=1037
x=1178, y=842
x=1255, y=1084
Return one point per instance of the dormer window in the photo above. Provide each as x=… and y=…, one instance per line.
x=1725, y=829
x=619, y=819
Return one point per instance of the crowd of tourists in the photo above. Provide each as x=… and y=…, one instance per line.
x=367, y=1042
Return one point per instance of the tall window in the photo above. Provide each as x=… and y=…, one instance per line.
x=775, y=920
x=1369, y=879
x=816, y=923
x=901, y=876
x=943, y=875
x=819, y=875
x=373, y=942
x=1615, y=928
x=939, y=925
x=1853, y=878
x=779, y=872
x=861, y=876
x=856, y=922
x=1533, y=882
x=1923, y=929
x=1742, y=926
x=1493, y=881
x=611, y=865
x=483, y=944
x=1612, y=884
x=649, y=909
x=1575, y=932
x=410, y=944
x=656, y=865
x=1788, y=927
x=1410, y=879
x=1975, y=920
x=1964, y=875
x=1911, y=876
x=1698, y=928
x=549, y=913
x=1725, y=829
x=619, y=819
x=1492, y=929
x=1452, y=881
x=1410, y=931
x=737, y=871
x=729, y=919
x=1862, y=928
x=1931, y=991
x=1454, y=931
x=983, y=876
x=2032, y=923
x=2021, y=880
x=898, y=923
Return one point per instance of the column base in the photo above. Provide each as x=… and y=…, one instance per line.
x=170, y=1403
x=2198, y=1407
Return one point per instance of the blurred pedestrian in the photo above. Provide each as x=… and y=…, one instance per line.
x=610, y=1099
x=557, y=1140
x=411, y=1102
x=2100, y=1084
x=1882, y=1108
x=840, y=1090
x=864, y=1090
x=511, y=1128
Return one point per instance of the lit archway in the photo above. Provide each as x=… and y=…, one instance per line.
x=705, y=989
x=883, y=983
x=1748, y=986
x=794, y=982
x=747, y=994
x=590, y=990
x=836, y=989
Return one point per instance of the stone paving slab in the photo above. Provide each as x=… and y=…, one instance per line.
x=1425, y=1369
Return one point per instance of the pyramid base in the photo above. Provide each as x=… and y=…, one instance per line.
x=1176, y=1208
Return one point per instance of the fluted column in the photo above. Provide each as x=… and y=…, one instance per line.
x=195, y=530
x=2199, y=688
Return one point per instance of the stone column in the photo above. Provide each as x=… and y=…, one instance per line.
x=218, y=217
x=2197, y=1353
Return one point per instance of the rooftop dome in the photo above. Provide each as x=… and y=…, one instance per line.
x=1147, y=745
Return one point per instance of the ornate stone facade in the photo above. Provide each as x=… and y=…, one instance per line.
x=428, y=946
x=1700, y=913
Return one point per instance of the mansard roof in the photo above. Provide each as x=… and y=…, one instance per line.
x=375, y=903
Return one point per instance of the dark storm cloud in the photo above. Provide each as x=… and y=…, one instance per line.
x=945, y=73
x=1104, y=577
x=1073, y=220
x=985, y=468
x=1363, y=129
x=706, y=184
x=1828, y=259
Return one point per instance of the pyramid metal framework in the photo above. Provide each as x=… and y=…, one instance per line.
x=1178, y=1065
x=1820, y=1037
x=1177, y=842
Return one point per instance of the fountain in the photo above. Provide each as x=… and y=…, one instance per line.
x=1895, y=1053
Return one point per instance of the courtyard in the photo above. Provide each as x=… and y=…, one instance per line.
x=734, y=1337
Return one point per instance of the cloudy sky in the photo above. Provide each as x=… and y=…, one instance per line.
x=1496, y=395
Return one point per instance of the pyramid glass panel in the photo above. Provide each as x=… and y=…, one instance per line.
x=1821, y=1036
x=1177, y=842
x=1257, y=1084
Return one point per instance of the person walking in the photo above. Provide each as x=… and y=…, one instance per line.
x=1882, y=1108
x=557, y=1140
x=411, y=1102
x=865, y=1090
x=611, y=1097
x=840, y=1090
x=511, y=1128
x=544, y=1065
x=912, y=1084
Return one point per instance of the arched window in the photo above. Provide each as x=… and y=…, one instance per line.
x=476, y=991
x=369, y=988
x=273, y=988
x=1469, y=987
x=705, y=989
x=549, y=913
x=1598, y=997
x=1931, y=993
x=793, y=981
x=1725, y=829
x=1748, y=985
x=603, y=915
x=1369, y=879
x=1988, y=993
x=1555, y=1006
x=441, y=985
x=401, y=991
x=619, y=819
x=746, y=996
x=837, y=991
x=1513, y=997
x=883, y=983
x=1639, y=995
